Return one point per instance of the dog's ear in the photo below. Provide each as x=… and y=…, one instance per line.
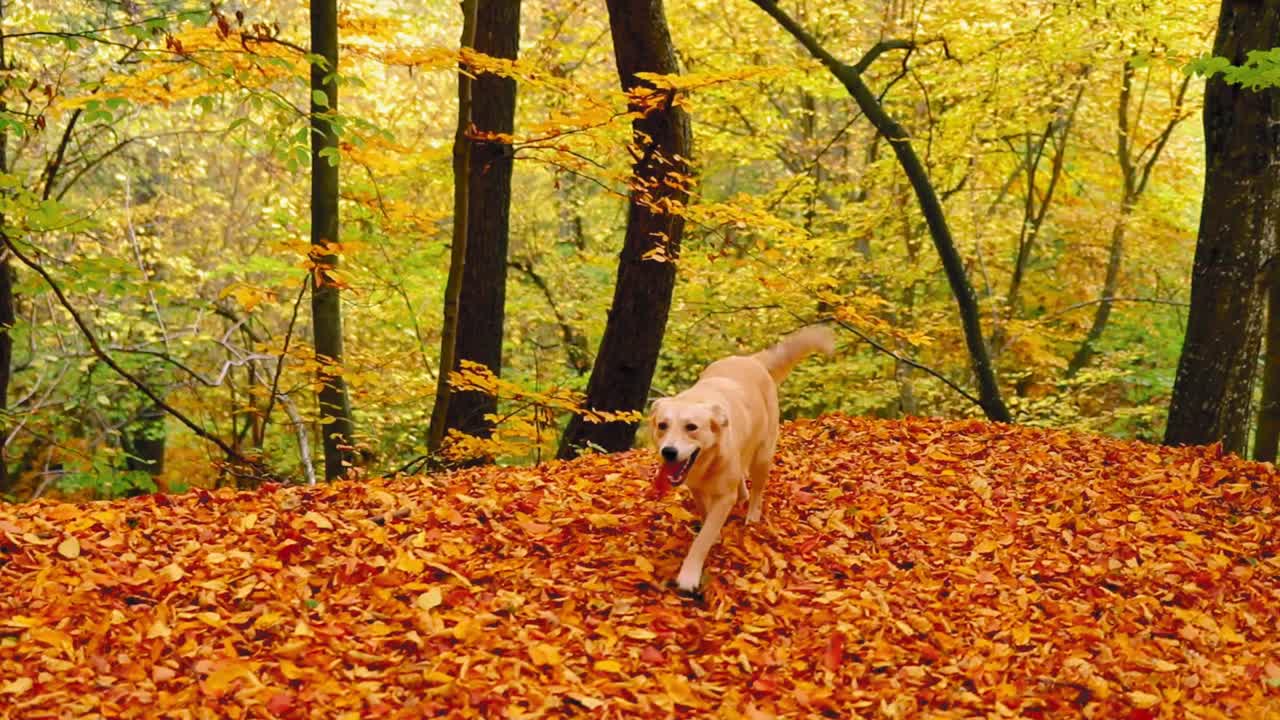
x=653, y=406
x=719, y=417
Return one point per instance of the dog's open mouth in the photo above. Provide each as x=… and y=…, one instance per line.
x=673, y=473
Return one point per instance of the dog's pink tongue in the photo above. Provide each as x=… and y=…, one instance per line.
x=662, y=478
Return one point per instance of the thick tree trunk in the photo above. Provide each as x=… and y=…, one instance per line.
x=326, y=310
x=628, y=352
x=482, y=297
x=990, y=399
x=1237, y=241
x=1268, y=434
x=458, y=249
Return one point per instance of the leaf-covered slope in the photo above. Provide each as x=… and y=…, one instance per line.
x=910, y=567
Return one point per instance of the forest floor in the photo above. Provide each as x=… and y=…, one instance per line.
x=907, y=568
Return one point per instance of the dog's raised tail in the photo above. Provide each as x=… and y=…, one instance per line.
x=788, y=353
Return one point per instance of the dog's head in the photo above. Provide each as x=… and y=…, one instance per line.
x=683, y=430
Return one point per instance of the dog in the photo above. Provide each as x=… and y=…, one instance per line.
x=721, y=433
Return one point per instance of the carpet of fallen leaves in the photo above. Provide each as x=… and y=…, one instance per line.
x=914, y=568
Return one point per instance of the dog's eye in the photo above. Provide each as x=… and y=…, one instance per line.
x=690, y=427
x=662, y=426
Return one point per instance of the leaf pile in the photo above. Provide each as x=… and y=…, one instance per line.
x=920, y=567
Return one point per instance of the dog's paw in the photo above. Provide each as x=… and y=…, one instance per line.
x=753, y=516
x=689, y=584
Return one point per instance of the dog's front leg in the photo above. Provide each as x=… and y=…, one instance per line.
x=691, y=569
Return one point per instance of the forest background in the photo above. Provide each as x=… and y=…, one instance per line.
x=156, y=172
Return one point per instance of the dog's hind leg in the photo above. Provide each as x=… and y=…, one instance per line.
x=759, y=478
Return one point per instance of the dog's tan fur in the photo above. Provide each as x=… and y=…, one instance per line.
x=730, y=419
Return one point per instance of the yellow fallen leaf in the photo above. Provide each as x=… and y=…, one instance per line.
x=641, y=634
x=1022, y=634
x=409, y=563
x=318, y=520
x=172, y=572
x=603, y=520
x=17, y=686
x=1143, y=699
x=544, y=654
x=159, y=629
x=589, y=703
x=429, y=599
x=611, y=666
x=69, y=548
x=644, y=564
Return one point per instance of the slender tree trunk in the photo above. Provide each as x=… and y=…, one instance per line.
x=326, y=309
x=7, y=315
x=628, y=353
x=458, y=250
x=482, y=297
x=1135, y=183
x=990, y=399
x=1268, y=434
x=1110, y=283
x=1240, y=213
x=1034, y=217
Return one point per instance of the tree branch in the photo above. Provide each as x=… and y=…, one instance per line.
x=230, y=453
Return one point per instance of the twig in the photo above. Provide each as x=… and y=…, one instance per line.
x=908, y=361
x=111, y=363
x=275, y=379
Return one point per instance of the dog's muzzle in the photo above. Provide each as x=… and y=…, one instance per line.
x=674, y=470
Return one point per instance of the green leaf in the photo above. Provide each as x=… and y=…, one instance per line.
x=319, y=98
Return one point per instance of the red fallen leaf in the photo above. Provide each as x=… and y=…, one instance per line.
x=835, y=651
x=280, y=703
x=652, y=655
x=765, y=684
x=1142, y=714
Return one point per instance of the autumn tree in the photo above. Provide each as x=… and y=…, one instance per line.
x=661, y=145
x=481, y=297
x=326, y=308
x=1136, y=163
x=1212, y=396
x=850, y=76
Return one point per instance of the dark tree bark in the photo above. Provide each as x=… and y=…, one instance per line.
x=990, y=399
x=145, y=441
x=1268, y=434
x=662, y=140
x=326, y=310
x=458, y=250
x=482, y=298
x=1237, y=241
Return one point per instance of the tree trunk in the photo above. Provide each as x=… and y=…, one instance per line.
x=628, y=351
x=145, y=441
x=458, y=249
x=990, y=399
x=7, y=315
x=1109, y=284
x=326, y=310
x=482, y=297
x=1134, y=184
x=1268, y=434
x=1238, y=227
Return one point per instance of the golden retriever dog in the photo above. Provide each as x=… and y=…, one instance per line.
x=722, y=432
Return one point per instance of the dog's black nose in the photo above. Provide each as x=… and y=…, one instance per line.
x=669, y=453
